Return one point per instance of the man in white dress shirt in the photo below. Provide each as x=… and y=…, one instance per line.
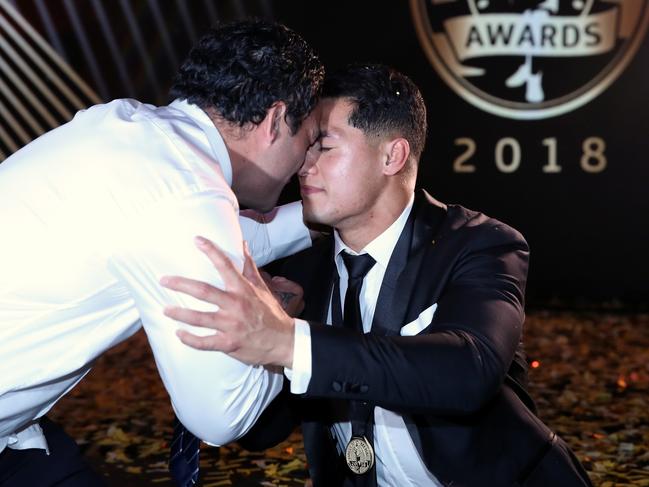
x=96, y=211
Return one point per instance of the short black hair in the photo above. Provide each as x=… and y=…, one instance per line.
x=386, y=102
x=241, y=68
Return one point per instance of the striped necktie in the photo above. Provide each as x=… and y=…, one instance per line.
x=183, y=456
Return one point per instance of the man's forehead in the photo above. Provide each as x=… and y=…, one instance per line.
x=311, y=124
x=334, y=115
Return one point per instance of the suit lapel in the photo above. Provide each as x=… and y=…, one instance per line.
x=406, y=264
x=321, y=284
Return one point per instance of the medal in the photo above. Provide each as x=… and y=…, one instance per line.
x=359, y=455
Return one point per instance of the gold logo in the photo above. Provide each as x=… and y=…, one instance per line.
x=530, y=59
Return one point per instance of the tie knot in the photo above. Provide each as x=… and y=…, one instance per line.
x=357, y=265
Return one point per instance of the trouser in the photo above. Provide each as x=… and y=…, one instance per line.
x=63, y=467
x=559, y=467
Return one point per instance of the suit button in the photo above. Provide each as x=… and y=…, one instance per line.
x=336, y=386
x=364, y=389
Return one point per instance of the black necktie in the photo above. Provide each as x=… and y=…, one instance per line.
x=357, y=268
x=183, y=456
x=361, y=414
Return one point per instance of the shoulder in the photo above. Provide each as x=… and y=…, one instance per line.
x=121, y=109
x=456, y=223
x=480, y=229
x=478, y=247
x=126, y=120
x=150, y=154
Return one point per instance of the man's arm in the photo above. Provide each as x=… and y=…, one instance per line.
x=276, y=234
x=455, y=365
x=217, y=397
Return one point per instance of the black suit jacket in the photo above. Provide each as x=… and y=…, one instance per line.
x=459, y=383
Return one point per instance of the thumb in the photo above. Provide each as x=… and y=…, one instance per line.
x=250, y=270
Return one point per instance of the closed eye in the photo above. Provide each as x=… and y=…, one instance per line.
x=315, y=146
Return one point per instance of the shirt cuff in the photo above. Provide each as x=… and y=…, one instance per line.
x=300, y=374
x=31, y=437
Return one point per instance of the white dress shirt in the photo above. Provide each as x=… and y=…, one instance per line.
x=397, y=460
x=93, y=214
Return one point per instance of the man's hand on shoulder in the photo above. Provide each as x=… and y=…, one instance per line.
x=250, y=324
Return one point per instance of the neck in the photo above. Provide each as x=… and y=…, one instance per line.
x=238, y=146
x=359, y=232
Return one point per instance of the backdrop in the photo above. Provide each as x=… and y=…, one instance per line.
x=538, y=110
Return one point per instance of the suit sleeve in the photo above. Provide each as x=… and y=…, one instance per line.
x=459, y=361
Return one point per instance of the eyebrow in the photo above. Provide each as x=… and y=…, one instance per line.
x=329, y=133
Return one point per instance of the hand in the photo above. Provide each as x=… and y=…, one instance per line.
x=288, y=294
x=251, y=325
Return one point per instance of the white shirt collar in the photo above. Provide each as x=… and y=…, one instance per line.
x=381, y=247
x=211, y=132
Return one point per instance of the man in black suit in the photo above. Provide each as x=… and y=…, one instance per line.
x=421, y=380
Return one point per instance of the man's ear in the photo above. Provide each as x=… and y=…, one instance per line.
x=396, y=153
x=272, y=125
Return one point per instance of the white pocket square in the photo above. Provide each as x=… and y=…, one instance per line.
x=419, y=323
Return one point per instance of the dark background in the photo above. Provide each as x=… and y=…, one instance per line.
x=588, y=232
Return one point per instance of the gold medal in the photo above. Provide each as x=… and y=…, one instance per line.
x=359, y=455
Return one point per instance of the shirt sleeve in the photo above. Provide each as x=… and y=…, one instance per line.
x=277, y=234
x=300, y=374
x=215, y=396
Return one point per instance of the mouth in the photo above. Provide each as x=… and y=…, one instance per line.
x=309, y=190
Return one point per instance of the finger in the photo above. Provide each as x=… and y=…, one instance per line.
x=285, y=285
x=250, y=270
x=229, y=273
x=287, y=300
x=299, y=307
x=217, y=343
x=198, y=289
x=192, y=317
x=266, y=277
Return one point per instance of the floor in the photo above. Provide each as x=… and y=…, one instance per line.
x=589, y=376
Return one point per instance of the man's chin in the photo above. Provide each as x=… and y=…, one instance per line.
x=313, y=218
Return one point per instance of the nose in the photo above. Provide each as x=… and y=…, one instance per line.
x=309, y=164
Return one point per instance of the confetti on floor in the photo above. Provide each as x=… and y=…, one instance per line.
x=589, y=375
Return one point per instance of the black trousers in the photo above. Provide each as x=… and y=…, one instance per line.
x=558, y=467
x=63, y=467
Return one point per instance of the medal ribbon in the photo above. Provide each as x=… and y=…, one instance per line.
x=361, y=414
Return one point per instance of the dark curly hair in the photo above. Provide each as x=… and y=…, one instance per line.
x=241, y=68
x=387, y=102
